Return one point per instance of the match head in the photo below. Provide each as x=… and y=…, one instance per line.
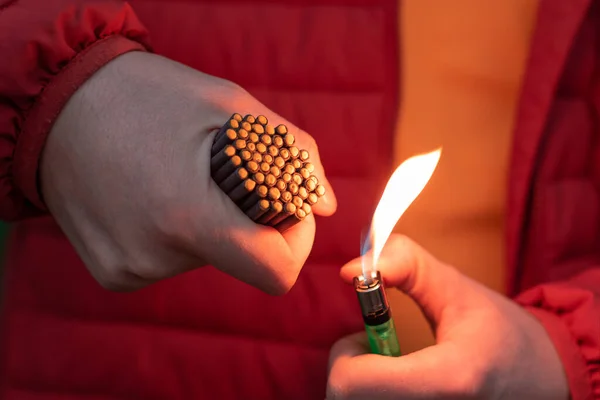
x=229, y=151
x=245, y=155
x=289, y=140
x=243, y=134
x=239, y=144
x=269, y=130
x=259, y=178
x=249, y=185
x=270, y=180
x=253, y=137
x=281, y=129
x=261, y=119
x=263, y=204
x=235, y=124
x=258, y=128
x=277, y=141
x=320, y=190
x=265, y=167
x=246, y=126
x=312, y=199
x=286, y=196
x=236, y=117
x=266, y=139
x=274, y=193
x=252, y=166
x=249, y=118
x=231, y=134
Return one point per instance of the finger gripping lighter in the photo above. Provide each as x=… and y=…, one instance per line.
x=377, y=315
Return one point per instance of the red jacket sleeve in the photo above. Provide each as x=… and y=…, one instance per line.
x=570, y=312
x=49, y=48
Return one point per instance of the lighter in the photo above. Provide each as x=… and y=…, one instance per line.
x=377, y=315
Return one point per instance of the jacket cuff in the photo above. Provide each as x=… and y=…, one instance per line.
x=568, y=350
x=569, y=311
x=49, y=104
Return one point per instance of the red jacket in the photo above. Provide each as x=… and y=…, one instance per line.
x=65, y=337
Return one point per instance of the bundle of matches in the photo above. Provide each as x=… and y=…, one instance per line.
x=261, y=170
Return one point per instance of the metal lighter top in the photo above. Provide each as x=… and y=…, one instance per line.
x=372, y=299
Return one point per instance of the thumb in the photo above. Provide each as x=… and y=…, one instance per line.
x=404, y=264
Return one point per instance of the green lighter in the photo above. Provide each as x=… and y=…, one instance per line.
x=377, y=315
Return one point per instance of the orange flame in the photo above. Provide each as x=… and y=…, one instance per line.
x=405, y=184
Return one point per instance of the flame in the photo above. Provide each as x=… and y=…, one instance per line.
x=405, y=184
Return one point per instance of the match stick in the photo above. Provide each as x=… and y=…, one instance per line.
x=268, y=158
x=253, y=138
x=259, y=178
x=266, y=139
x=221, y=157
x=239, y=144
x=309, y=184
x=285, y=154
x=245, y=155
x=275, y=208
x=289, y=209
x=286, y=177
x=294, y=152
x=297, y=178
x=256, y=156
x=278, y=141
x=242, y=190
x=289, y=140
x=293, y=188
x=286, y=197
x=312, y=199
x=270, y=180
x=302, y=193
x=273, y=151
x=304, y=173
x=261, y=148
x=289, y=168
x=228, y=137
x=281, y=129
x=291, y=221
x=274, y=194
x=297, y=201
x=227, y=168
x=261, y=192
x=258, y=128
x=257, y=210
x=261, y=119
x=281, y=185
x=276, y=172
x=306, y=208
x=304, y=155
x=233, y=180
x=320, y=190
x=246, y=126
x=265, y=167
x=252, y=167
x=243, y=134
x=279, y=162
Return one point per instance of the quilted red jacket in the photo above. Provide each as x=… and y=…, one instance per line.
x=65, y=337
